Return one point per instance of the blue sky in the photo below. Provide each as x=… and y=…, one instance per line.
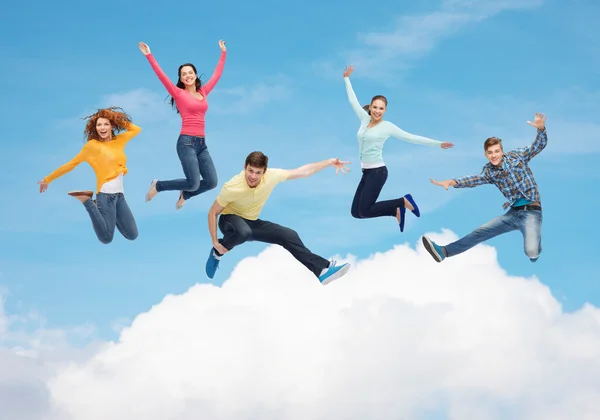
x=452, y=72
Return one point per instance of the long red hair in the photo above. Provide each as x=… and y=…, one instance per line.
x=119, y=120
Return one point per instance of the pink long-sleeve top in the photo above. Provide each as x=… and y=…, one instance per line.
x=191, y=109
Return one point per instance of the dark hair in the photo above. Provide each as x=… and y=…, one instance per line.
x=380, y=97
x=180, y=84
x=257, y=160
x=117, y=117
x=491, y=141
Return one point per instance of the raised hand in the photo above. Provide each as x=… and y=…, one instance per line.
x=446, y=145
x=348, y=70
x=144, y=48
x=222, y=45
x=539, y=121
x=43, y=186
x=445, y=184
x=340, y=166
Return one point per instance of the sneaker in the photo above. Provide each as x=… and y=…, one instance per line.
x=212, y=263
x=333, y=272
x=151, y=191
x=436, y=251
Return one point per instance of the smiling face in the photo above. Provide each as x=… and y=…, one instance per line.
x=377, y=109
x=104, y=129
x=494, y=154
x=188, y=76
x=253, y=175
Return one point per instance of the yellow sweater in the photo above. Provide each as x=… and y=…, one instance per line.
x=107, y=158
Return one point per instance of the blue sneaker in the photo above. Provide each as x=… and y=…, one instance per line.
x=436, y=251
x=333, y=272
x=212, y=263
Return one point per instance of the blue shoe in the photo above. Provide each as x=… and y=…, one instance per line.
x=436, y=251
x=333, y=272
x=416, y=210
x=402, y=215
x=212, y=263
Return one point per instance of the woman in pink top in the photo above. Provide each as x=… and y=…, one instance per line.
x=189, y=98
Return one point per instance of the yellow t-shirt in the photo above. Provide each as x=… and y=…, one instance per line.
x=238, y=198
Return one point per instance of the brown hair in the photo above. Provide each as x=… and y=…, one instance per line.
x=376, y=97
x=492, y=141
x=257, y=160
x=117, y=117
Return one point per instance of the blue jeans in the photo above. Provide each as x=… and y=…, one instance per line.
x=110, y=211
x=529, y=222
x=196, y=162
x=364, y=204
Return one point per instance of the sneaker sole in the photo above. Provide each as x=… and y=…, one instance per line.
x=429, y=247
x=336, y=275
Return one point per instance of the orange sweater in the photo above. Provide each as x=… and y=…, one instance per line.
x=107, y=158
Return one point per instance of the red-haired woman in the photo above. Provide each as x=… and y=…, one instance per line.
x=189, y=98
x=104, y=152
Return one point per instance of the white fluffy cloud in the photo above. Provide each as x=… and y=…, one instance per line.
x=399, y=337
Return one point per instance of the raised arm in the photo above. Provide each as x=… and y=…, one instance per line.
x=540, y=142
x=211, y=83
x=131, y=131
x=312, y=168
x=167, y=83
x=398, y=133
x=358, y=109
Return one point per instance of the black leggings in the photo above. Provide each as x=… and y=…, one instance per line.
x=365, y=205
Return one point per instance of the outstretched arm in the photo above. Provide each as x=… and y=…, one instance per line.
x=312, y=168
x=398, y=133
x=540, y=142
x=171, y=88
x=358, y=110
x=213, y=213
x=210, y=84
x=464, y=182
x=67, y=167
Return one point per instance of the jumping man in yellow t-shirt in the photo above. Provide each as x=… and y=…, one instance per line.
x=239, y=204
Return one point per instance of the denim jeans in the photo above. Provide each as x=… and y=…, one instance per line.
x=110, y=211
x=364, y=204
x=237, y=230
x=196, y=162
x=529, y=222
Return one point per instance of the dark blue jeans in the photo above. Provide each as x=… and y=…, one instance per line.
x=110, y=211
x=365, y=205
x=196, y=162
x=237, y=230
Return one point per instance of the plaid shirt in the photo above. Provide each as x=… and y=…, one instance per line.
x=513, y=177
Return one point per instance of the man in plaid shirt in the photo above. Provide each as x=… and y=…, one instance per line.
x=509, y=172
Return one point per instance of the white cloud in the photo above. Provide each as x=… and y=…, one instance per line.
x=30, y=354
x=413, y=36
x=399, y=336
x=249, y=98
